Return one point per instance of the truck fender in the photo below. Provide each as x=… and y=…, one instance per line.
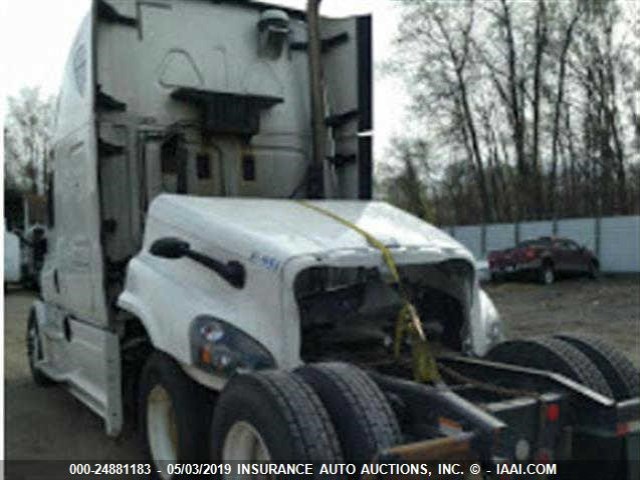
x=133, y=305
x=210, y=381
x=129, y=303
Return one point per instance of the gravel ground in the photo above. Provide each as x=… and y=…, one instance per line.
x=49, y=424
x=608, y=308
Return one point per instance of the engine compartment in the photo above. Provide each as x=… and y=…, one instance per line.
x=350, y=314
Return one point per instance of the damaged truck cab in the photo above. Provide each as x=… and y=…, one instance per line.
x=308, y=284
x=210, y=273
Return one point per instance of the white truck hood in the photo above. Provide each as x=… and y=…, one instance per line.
x=286, y=237
x=287, y=228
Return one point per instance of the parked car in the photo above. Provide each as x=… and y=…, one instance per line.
x=545, y=258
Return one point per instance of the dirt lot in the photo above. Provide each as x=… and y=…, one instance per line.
x=50, y=424
x=609, y=308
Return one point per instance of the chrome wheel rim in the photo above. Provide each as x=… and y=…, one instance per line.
x=244, y=443
x=162, y=429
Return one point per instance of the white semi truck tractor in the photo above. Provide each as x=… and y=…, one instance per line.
x=218, y=274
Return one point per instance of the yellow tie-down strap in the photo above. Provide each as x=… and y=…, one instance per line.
x=425, y=368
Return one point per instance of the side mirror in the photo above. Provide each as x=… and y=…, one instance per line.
x=173, y=248
x=169, y=248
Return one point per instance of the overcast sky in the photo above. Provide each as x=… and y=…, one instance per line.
x=35, y=36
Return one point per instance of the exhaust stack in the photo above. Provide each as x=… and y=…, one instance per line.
x=315, y=179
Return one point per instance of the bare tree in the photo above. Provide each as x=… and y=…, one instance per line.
x=28, y=133
x=565, y=43
x=509, y=80
x=530, y=108
x=598, y=68
x=438, y=40
x=540, y=41
x=406, y=181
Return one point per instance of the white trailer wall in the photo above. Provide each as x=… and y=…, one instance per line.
x=470, y=237
x=530, y=230
x=581, y=230
x=620, y=244
x=500, y=236
x=615, y=240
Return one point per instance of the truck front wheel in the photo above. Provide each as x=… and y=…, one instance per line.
x=174, y=415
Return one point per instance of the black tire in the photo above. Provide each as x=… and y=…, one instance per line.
x=553, y=355
x=192, y=407
x=285, y=412
x=621, y=375
x=363, y=418
x=34, y=349
x=546, y=274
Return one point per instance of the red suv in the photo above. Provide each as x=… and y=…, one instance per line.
x=545, y=258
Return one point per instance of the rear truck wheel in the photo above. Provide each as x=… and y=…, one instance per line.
x=621, y=375
x=362, y=416
x=272, y=416
x=546, y=274
x=553, y=355
x=34, y=352
x=175, y=414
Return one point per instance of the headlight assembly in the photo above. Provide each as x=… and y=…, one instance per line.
x=496, y=332
x=219, y=347
x=491, y=319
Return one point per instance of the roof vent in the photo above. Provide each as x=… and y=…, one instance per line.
x=273, y=30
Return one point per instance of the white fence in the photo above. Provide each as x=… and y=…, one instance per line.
x=615, y=240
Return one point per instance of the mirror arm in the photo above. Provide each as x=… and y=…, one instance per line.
x=233, y=272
